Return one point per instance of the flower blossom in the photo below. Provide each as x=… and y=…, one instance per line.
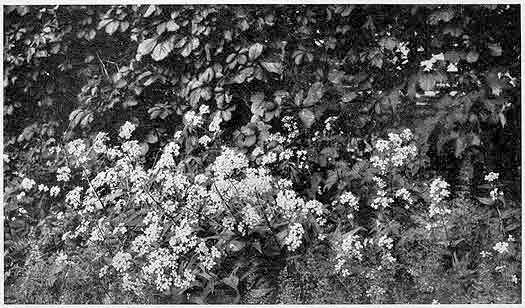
x=126, y=130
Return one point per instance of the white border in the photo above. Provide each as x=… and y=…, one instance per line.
x=122, y=2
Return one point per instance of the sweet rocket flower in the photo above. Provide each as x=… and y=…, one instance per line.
x=348, y=199
x=495, y=194
x=99, y=145
x=215, y=123
x=63, y=174
x=204, y=109
x=204, y=140
x=27, y=183
x=73, y=197
x=121, y=261
x=126, y=130
x=54, y=191
x=492, y=176
x=438, y=192
x=501, y=247
x=192, y=119
x=228, y=162
x=295, y=237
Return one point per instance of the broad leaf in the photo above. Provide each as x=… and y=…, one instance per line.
x=307, y=116
x=255, y=51
x=162, y=50
x=273, y=67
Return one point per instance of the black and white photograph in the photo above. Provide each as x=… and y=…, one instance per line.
x=262, y=153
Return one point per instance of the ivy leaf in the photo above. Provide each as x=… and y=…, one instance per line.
x=243, y=74
x=150, y=10
x=172, y=26
x=152, y=137
x=307, y=116
x=273, y=67
x=161, y=28
x=235, y=245
x=186, y=51
x=314, y=94
x=146, y=46
x=112, y=27
x=162, y=50
x=255, y=51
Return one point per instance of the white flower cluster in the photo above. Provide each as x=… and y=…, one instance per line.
x=61, y=259
x=126, y=130
x=392, y=152
x=99, y=143
x=404, y=50
x=501, y=247
x=495, y=194
x=382, y=200
x=351, y=248
x=438, y=192
x=291, y=127
x=295, y=236
x=350, y=201
x=27, y=183
x=121, y=261
x=77, y=149
x=192, y=119
x=404, y=194
x=63, y=174
x=73, y=197
x=237, y=197
x=215, y=124
x=228, y=162
x=54, y=191
x=386, y=243
x=166, y=159
x=492, y=176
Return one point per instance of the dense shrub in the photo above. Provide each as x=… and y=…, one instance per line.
x=262, y=154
